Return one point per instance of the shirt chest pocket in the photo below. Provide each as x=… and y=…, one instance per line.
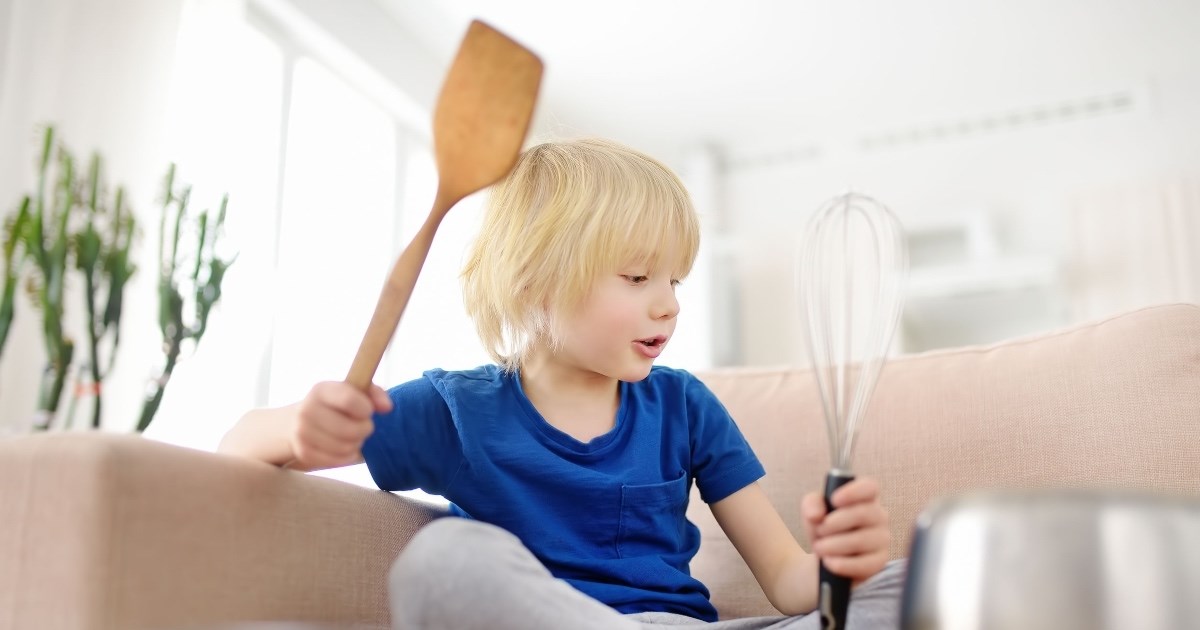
x=653, y=518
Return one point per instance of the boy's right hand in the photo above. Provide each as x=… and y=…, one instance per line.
x=331, y=424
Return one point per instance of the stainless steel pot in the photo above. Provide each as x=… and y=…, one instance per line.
x=1055, y=559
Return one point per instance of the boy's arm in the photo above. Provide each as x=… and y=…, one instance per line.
x=325, y=430
x=786, y=573
x=853, y=540
x=262, y=434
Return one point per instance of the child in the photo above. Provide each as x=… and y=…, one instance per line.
x=572, y=458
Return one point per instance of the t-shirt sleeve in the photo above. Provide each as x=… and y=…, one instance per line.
x=722, y=460
x=417, y=444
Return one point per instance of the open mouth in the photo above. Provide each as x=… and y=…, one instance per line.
x=653, y=342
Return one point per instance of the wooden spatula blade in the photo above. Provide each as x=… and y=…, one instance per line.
x=484, y=110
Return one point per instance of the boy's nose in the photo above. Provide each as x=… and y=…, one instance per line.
x=666, y=305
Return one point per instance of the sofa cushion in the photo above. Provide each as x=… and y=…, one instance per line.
x=1107, y=404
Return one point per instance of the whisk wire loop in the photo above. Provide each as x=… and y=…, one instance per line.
x=852, y=266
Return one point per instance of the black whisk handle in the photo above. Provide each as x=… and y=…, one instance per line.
x=834, y=596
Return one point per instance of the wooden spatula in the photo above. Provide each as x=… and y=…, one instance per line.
x=479, y=125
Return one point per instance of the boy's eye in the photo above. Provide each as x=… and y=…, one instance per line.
x=675, y=282
x=636, y=279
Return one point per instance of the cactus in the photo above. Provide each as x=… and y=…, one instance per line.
x=101, y=249
x=45, y=240
x=204, y=281
x=40, y=239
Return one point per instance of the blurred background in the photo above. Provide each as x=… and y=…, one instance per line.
x=1044, y=158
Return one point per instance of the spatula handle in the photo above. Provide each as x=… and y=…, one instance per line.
x=393, y=299
x=834, y=595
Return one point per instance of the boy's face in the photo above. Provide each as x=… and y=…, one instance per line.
x=623, y=324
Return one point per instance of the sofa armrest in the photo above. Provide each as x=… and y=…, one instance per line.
x=106, y=531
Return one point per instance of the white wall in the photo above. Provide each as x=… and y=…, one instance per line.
x=1025, y=176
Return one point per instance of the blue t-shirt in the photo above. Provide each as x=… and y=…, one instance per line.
x=607, y=516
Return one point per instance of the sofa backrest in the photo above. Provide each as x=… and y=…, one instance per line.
x=1107, y=404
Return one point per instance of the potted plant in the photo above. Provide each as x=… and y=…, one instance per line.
x=72, y=225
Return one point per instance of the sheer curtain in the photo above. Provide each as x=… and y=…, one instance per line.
x=1135, y=244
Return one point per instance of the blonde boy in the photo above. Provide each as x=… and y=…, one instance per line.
x=571, y=459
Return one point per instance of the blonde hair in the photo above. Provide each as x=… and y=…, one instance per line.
x=567, y=214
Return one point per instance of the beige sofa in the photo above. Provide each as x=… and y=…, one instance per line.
x=102, y=531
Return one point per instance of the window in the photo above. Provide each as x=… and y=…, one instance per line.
x=336, y=230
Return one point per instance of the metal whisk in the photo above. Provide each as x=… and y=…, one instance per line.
x=853, y=267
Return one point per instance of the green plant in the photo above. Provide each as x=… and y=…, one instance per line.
x=43, y=233
x=67, y=225
x=101, y=249
x=46, y=240
x=200, y=282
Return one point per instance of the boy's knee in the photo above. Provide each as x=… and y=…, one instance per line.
x=447, y=545
x=429, y=548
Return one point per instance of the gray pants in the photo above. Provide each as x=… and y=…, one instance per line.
x=463, y=574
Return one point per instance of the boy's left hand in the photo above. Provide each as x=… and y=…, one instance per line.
x=853, y=540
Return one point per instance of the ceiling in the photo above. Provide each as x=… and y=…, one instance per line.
x=768, y=75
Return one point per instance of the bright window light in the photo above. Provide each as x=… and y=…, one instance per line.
x=337, y=233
